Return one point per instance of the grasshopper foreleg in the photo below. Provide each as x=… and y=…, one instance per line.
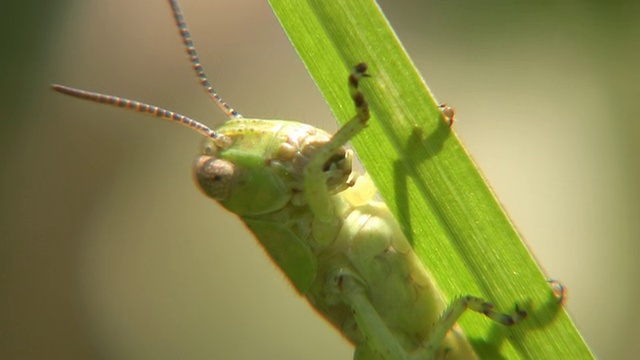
x=316, y=191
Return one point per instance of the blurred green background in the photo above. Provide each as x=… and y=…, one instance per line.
x=108, y=250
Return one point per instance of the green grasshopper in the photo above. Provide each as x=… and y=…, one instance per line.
x=293, y=186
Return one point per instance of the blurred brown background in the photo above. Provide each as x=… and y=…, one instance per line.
x=108, y=251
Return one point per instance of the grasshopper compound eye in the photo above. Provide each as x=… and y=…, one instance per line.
x=215, y=176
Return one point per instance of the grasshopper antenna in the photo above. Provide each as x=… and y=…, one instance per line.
x=221, y=140
x=195, y=61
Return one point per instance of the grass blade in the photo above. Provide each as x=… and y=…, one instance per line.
x=447, y=210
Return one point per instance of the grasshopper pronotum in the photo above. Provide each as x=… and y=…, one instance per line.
x=293, y=186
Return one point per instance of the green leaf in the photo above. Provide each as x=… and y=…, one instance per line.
x=423, y=172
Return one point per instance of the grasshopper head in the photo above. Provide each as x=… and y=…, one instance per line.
x=263, y=169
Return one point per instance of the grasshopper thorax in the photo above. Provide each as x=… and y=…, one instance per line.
x=262, y=170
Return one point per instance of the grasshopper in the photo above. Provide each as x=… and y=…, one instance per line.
x=293, y=186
